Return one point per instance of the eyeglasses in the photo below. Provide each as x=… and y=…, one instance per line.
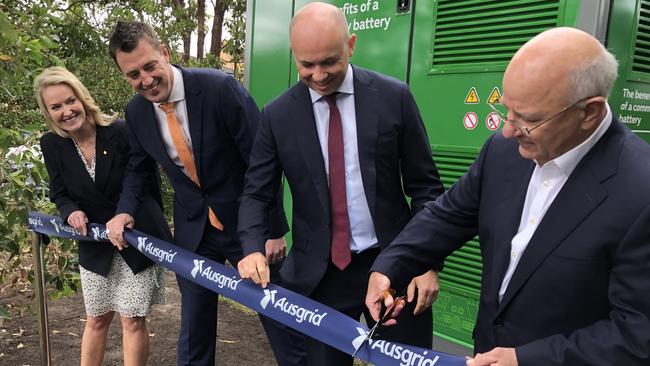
x=503, y=114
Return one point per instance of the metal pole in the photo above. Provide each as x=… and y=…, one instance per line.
x=41, y=300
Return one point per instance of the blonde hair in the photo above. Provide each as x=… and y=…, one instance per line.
x=60, y=75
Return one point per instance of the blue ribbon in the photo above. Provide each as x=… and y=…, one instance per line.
x=294, y=310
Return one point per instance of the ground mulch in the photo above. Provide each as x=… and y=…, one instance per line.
x=240, y=341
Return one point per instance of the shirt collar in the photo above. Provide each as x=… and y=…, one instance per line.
x=346, y=87
x=570, y=159
x=178, y=87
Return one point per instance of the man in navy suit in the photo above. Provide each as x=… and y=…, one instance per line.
x=561, y=203
x=352, y=145
x=199, y=125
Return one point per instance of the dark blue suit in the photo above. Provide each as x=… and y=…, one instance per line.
x=222, y=122
x=581, y=293
x=395, y=161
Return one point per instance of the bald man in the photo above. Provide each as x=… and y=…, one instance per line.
x=351, y=143
x=561, y=204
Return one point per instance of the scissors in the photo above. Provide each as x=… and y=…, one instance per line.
x=385, y=314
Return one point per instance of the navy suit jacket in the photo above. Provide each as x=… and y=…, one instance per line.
x=72, y=189
x=394, y=155
x=581, y=293
x=222, y=122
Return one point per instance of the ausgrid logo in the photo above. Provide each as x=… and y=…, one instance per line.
x=358, y=341
x=161, y=255
x=399, y=353
x=214, y=276
x=198, y=267
x=269, y=295
x=99, y=234
x=298, y=312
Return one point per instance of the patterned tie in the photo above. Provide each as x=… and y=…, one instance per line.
x=341, y=255
x=184, y=153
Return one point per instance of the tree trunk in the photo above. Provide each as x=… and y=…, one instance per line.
x=200, y=18
x=220, y=7
x=181, y=14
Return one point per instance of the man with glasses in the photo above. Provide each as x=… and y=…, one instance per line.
x=561, y=203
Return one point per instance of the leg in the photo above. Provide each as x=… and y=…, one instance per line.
x=344, y=291
x=198, y=333
x=288, y=345
x=135, y=340
x=93, y=342
x=410, y=329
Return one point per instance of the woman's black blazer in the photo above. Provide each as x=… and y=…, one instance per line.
x=72, y=189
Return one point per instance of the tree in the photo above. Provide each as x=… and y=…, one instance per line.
x=220, y=7
x=236, y=25
x=200, y=19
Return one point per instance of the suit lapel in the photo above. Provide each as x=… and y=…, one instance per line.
x=104, y=154
x=510, y=208
x=581, y=194
x=307, y=136
x=194, y=103
x=366, y=102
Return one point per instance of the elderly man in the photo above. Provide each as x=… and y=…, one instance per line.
x=350, y=143
x=561, y=204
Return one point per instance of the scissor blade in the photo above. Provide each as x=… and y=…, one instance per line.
x=368, y=336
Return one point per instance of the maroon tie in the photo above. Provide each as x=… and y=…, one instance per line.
x=341, y=256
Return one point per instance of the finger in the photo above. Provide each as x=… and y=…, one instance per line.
x=410, y=291
x=264, y=275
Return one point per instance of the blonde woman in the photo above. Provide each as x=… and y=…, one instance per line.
x=86, y=153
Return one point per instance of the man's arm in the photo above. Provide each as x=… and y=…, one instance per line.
x=263, y=180
x=419, y=174
x=242, y=117
x=139, y=173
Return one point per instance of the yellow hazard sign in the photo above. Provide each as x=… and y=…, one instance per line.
x=472, y=96
x=495, y=96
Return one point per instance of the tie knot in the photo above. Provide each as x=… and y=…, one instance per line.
x=168, y=107
x=331, y=99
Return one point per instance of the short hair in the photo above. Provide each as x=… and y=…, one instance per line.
x=60, y=75
x=127, y=34
x=595, y=77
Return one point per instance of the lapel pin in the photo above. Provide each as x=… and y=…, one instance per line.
x=105, y=152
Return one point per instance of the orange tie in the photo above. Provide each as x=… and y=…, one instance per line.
x=185, y=155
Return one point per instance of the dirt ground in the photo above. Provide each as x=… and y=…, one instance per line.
x=240, y=341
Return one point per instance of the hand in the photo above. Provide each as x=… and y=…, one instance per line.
x=78, y=220
x=276, y=250
x=427, y=286
x=496, y=357
x=115, y=229
x=378, y=284
x=255, y=267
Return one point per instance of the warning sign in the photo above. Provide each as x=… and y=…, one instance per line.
x=493, y=121
x=495, y=96
x=470, y=120
x=472, y=96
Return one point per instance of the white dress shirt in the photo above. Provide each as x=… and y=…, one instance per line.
x=545, y=184
x=177, y=96
x=362, y=230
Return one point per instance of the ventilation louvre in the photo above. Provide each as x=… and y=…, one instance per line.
x=464, y=267
x=473, y=34
x=640, y=69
